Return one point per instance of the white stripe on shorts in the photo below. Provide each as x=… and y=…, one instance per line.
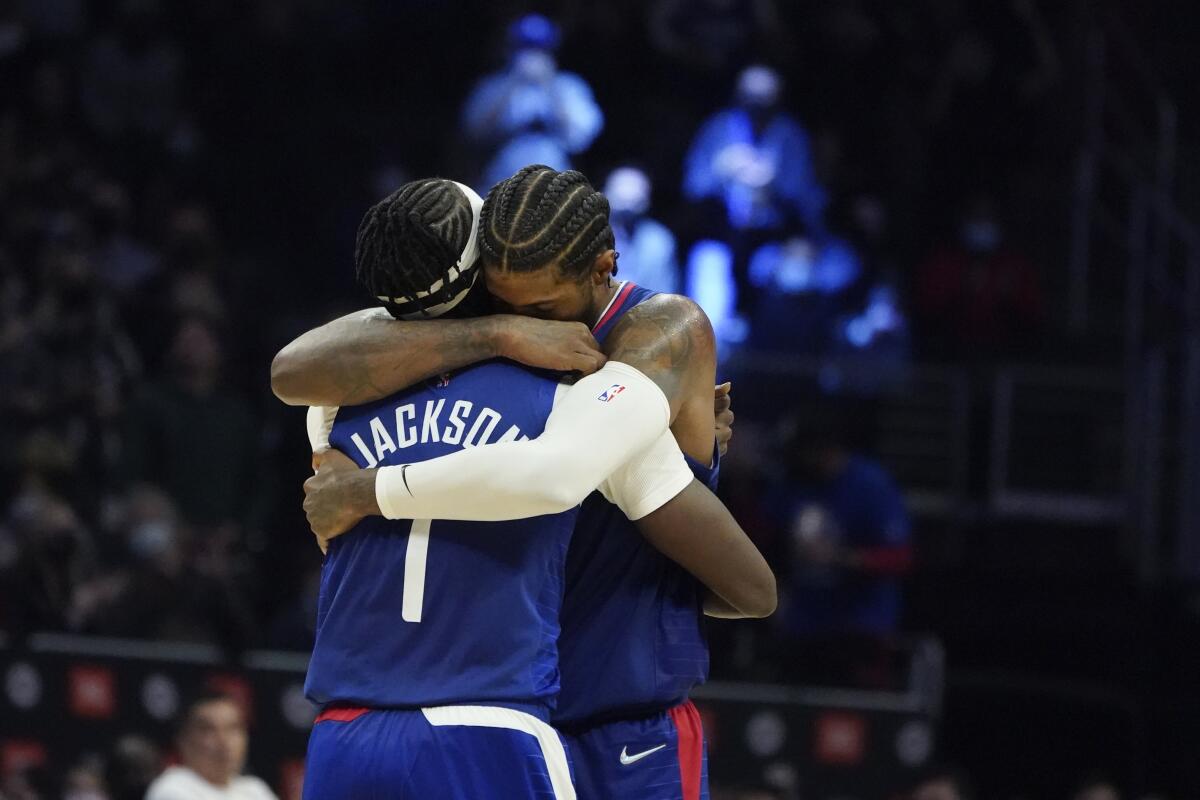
x=513, y=720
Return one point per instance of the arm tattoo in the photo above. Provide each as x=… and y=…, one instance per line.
x=406, y=353
x=360, y=358
x=662, y=339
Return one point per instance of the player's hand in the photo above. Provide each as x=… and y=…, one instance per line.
x=549, y=344
x=325, y=497
x=722, y=409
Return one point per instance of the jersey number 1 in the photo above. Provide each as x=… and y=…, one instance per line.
x=414, y=570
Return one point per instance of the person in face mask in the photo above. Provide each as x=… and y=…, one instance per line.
x=846, y=543
x=646, y=246
x=755, y=162
x=979, y=296
x=755, y=158
x=530, y=112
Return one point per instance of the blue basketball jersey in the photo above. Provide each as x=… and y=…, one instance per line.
x=632, y=637
x=423, y=613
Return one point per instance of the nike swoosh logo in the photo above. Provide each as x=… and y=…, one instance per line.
x=627, y=759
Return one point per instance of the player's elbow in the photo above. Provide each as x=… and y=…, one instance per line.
x=544, y=471
x=287, y=378
x=761, y=597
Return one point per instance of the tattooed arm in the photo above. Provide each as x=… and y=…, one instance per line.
x=367, y=355
x=670, y=339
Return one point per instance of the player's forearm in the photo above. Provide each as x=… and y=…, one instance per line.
x=603, y=421
x=367, y=355
x=696, y=531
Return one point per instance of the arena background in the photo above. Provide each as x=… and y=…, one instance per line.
x=179, y=189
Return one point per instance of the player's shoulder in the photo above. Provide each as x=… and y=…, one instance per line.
x=669, y=338
x=671, y=314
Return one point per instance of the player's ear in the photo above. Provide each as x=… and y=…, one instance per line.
x=604, y=267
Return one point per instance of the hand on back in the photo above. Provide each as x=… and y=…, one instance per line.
x=325, y=506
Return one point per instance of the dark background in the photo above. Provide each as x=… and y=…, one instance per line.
x=1071, y=639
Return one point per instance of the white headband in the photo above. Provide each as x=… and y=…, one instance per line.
x=467, y=260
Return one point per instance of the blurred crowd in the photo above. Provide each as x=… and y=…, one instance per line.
x=815, y=213
x=180, y=184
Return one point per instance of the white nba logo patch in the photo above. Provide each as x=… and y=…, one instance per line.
x=610, y=393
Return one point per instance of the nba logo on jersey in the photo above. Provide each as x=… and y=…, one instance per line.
x=608, y=394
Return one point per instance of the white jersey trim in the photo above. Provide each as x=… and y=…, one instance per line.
x=320, y=425
x=553, y=751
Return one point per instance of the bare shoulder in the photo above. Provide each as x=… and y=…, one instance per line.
x=667, y=317
x=667, y=337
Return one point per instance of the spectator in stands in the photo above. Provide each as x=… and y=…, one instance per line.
x=212, y=745
x=802, y=287
x=871, y=347
x=646, y=246
x=194, y=436
x=168, y=584
x=531, y=112
x=942, y=782
x=46, y=553
x=132, y=765
x=979, y=296
x=846, y=546
x=753, y=164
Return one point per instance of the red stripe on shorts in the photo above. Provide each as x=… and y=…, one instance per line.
x=691, y=747
x=340, y=714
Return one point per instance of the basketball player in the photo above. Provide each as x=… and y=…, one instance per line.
x=511, y=570
x=631, y=645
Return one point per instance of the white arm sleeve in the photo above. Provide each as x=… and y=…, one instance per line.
x=647, y=481
x=601, y=422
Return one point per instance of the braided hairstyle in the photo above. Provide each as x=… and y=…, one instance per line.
x=409, y=241
x=541, y=216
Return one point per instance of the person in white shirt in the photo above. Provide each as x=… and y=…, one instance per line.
x=212, y=749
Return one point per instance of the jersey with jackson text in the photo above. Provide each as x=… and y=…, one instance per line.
x=419, y=613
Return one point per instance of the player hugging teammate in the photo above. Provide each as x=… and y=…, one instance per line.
x=547, y=560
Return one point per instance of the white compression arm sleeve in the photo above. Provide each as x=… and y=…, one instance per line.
x=603, y=421
x=647, y=481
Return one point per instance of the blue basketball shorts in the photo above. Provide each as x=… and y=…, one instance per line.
x=658, y=757
x=451, y=752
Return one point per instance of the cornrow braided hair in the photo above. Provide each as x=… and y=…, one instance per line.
x=409, y=241
x=541, y=216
